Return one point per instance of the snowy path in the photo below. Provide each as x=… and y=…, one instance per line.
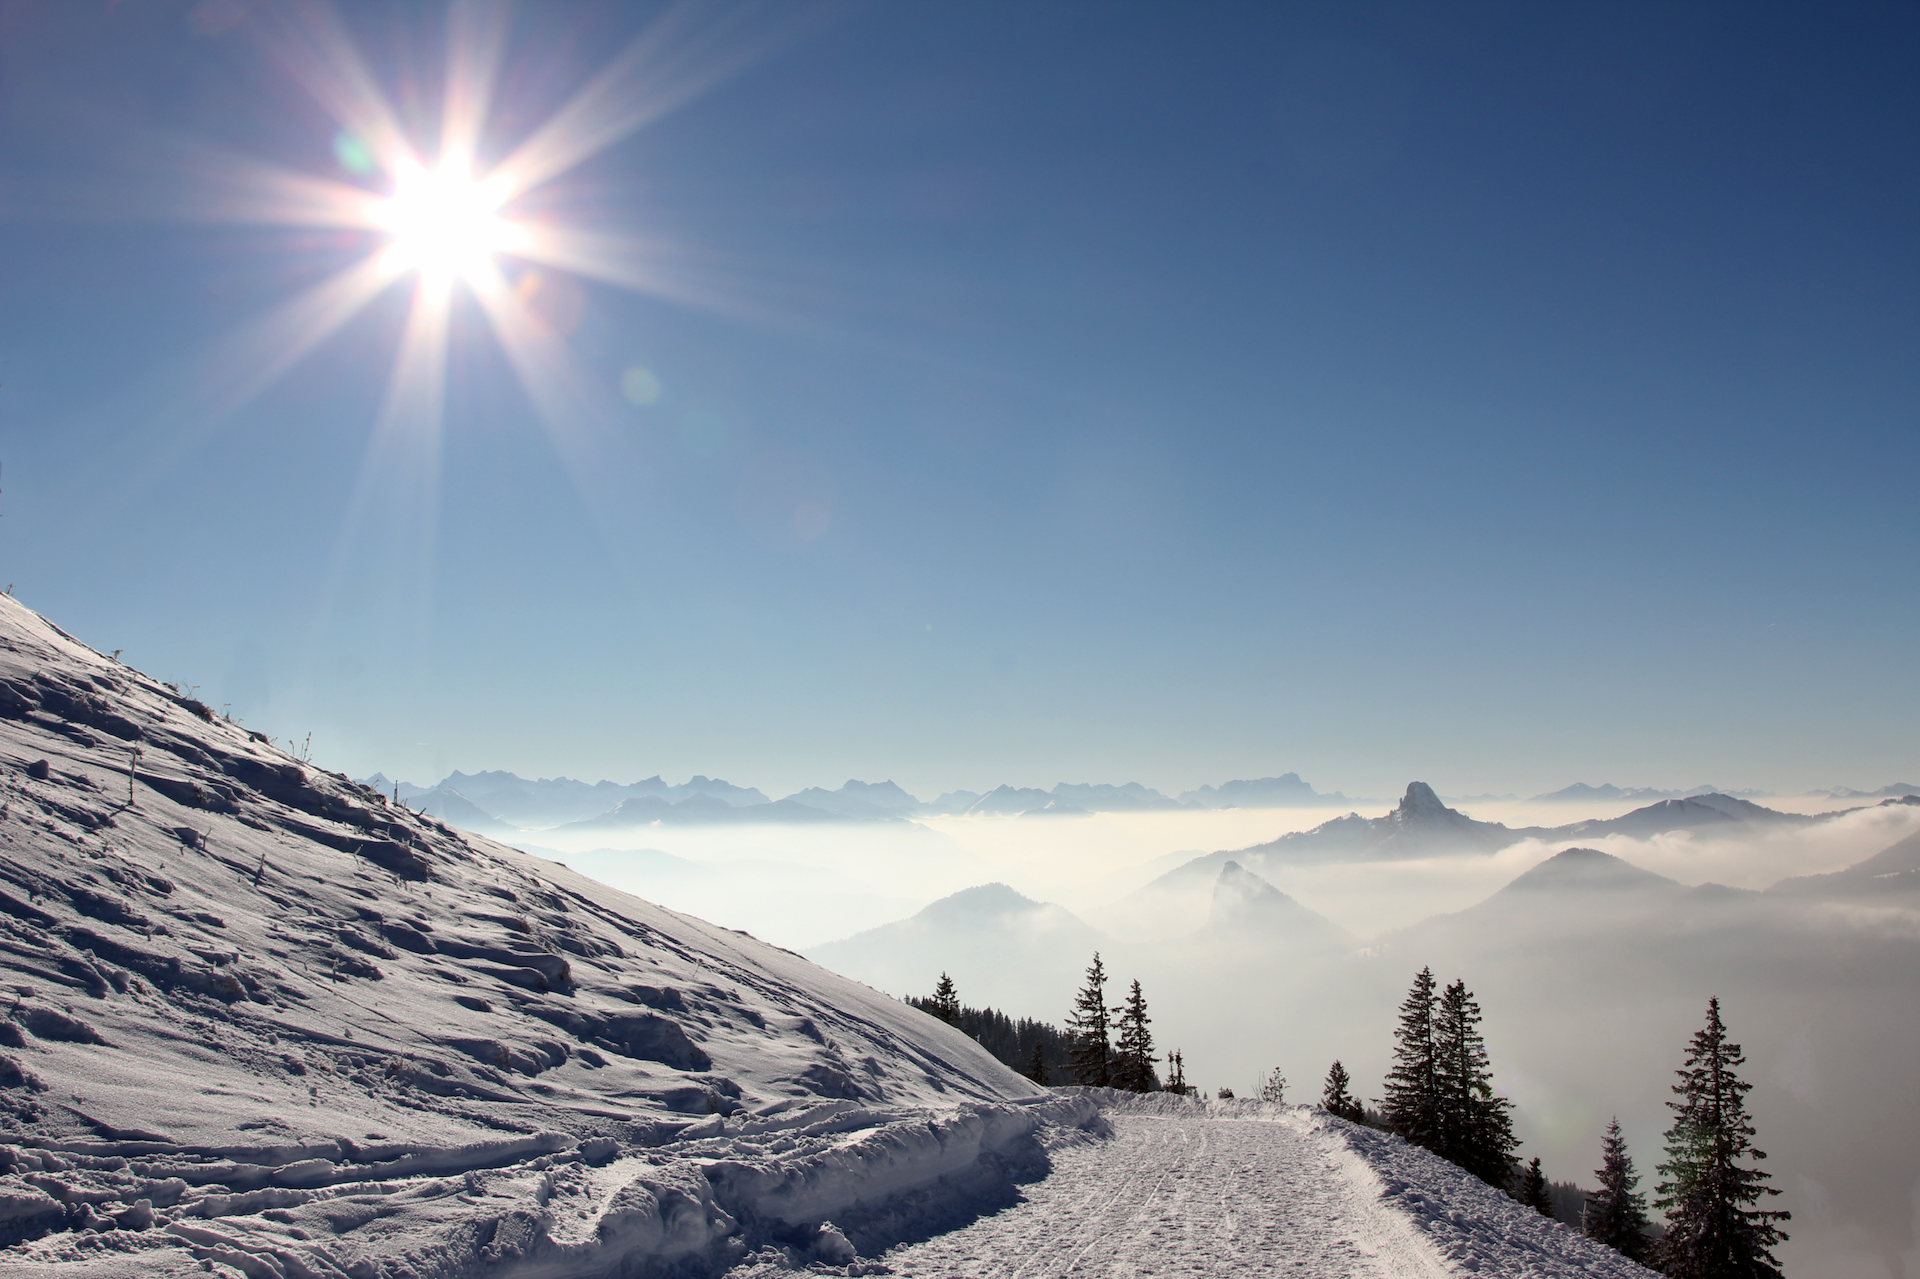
x=1191, y=1195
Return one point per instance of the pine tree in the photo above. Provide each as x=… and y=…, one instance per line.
x=1616, y=1215
x=1714, y=1231
x=1273, y=1087
x=946, y=1001
x=1476, y=1124
x=1091, y=1052
x=1336, y=1100
x=1177, y=1073
x=1037, y=1064
x=1133, y=1054
x=1412, y=1104
x=1533, y=1189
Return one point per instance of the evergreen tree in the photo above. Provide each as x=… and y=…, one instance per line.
x=1336, y=1100
x=1133, y=1053
x=1616, y=1214
x=946, y=1001
x=1714, y=1231
x=1037, y=1064
x=1092, y=1052
x=1475, y=1123
x=1274, y=1087
x=1412, y=1104
x=1533, y=1189
x=1177, y=1073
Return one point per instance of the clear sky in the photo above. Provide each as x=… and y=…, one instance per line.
x=1497, y=395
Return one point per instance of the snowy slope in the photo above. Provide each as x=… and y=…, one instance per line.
x=263, y=1023
x=255, y=988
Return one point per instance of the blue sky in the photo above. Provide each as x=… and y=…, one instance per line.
x=1502, y=396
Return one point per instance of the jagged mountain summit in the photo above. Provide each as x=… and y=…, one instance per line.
x=1421, y=825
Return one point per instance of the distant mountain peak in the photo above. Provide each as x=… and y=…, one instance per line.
x=980, y=900
x=1585, y=868
x=1421, y=803
x=1284, y=791
x=1247, y=905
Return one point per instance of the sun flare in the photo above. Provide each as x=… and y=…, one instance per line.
x=444, y=223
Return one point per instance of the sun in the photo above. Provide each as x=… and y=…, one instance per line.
x=445, y=224
x=475, y=223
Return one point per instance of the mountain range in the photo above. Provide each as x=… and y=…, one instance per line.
x=502, y=804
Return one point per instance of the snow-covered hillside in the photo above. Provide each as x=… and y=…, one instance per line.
x=264, y=1023
x=248, y=987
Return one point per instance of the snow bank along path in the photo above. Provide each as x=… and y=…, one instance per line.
x=1196, y=1188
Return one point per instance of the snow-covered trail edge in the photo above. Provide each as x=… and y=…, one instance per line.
x=1190, y=1187
x=693, y=1206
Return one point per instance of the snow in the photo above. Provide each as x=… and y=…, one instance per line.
x=1185, y=1187
x=265, y=1023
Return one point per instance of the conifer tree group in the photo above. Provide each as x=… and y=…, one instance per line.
x=1440, y=1090
x=1132, y=1069
x=1034, y=1048
x=1100, y=1060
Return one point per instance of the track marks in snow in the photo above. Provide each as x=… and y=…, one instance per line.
x=1190, y=1194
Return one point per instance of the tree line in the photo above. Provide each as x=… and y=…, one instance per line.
x=1439, y=1095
